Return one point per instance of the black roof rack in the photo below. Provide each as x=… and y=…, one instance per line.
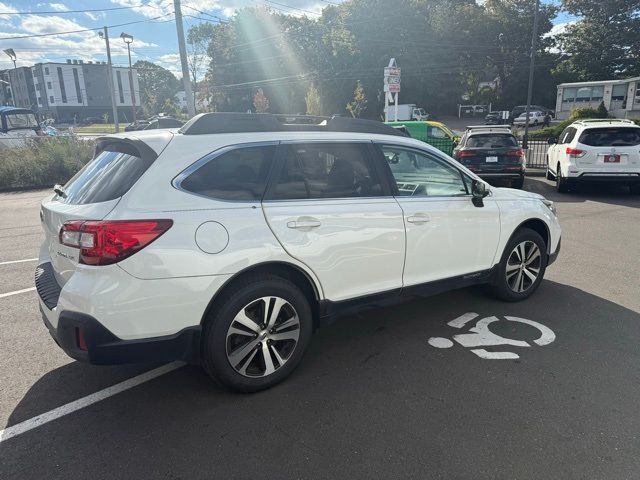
x=207, y=123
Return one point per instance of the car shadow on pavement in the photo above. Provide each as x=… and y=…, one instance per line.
x=602, y=193
x=373, y=399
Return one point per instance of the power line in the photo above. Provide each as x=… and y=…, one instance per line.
x=86, y=29
x=55, y=12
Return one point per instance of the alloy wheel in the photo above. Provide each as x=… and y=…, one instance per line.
x=523, y=266
x=262, y=337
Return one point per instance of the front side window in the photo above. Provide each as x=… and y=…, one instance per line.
x=327, y=170
x=436, y=132
x=238, y=174
x=21, y=120
x=422, y=174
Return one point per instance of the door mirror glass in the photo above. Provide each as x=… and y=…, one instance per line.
x=552, y=140
x=479, y=189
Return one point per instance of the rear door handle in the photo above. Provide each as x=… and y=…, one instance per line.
x=304, y=223
x=418, y=218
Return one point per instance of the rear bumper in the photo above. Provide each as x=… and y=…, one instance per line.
x=493, y=175
x=104, y=348
x=621, y=177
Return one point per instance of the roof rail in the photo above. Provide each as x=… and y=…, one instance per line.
x=604, y=120
x=473, y=127
x=209, y=123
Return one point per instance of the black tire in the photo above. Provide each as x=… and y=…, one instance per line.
x=561, y=183
x=519, y=183
x=219, y=319
x=499, y=287
x=635, y=189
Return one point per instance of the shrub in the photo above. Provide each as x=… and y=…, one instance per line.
x=43, y=161
x=576, y=114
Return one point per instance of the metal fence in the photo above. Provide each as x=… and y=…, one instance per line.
x=536, y=153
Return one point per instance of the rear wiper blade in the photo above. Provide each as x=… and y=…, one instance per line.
x=60, y=190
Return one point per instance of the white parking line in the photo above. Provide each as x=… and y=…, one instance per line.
x=22, y=427
x=9, y=262
x=24, y=290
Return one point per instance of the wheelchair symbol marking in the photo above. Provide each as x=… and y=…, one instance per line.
x=481, y=336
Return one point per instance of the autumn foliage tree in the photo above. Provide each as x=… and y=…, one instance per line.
x=260, y=102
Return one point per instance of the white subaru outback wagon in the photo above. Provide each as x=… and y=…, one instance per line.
x=227, y=242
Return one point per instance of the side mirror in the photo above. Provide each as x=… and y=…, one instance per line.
x=552, y=140
x=479, y=190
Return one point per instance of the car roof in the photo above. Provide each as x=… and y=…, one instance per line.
x=604, y=122
x=9, y=109
x=488, y=130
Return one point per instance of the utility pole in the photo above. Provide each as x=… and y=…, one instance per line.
x=110, y=75
x=183, y=58
x=534, y=39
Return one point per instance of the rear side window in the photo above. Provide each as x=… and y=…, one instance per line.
x=567, y=135
x=327, y=170
x=611, y=137
x=239, y=174
x=108, y=176
x=492, y=141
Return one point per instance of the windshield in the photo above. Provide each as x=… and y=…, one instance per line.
x=21, y=120
x=611, y=137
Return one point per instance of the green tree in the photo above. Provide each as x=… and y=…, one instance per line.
x=359, y=103
x=157, y=85
x=198, y=38
x=605, y=42
x=313, y=101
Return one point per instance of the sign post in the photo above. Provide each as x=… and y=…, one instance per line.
x=391, y=89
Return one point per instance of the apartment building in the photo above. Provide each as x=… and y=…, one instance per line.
x=75, y=90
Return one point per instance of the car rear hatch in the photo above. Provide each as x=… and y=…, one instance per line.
x=608, y=149
x=491, y=152
x=91, y=195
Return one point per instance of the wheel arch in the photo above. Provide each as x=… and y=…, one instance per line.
x=537, y=225
x=289, y=271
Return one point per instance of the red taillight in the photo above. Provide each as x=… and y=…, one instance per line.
x=575, y=152
x=466, y=153
x=80, y=340
x=515, y=153
x=104, y=242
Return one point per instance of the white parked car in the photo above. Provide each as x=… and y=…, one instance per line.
x=596, y=151
x=229, y=241
x=535, y=118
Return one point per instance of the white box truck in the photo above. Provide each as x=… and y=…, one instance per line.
x=406, y=111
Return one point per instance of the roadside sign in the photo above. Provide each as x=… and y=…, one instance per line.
x=391, y=71
x=393, y=88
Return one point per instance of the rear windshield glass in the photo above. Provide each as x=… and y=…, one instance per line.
x=21, y=120
x=492, y=141
x=611, y=137
x=107, y=177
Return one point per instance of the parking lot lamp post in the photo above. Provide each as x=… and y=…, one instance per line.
x=105, y=36
x=12, y=55
x=534, y=38
x=128, y=39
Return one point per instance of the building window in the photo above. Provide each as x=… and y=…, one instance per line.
x=76, y=80
x=619, y=92
x=119, y=77
x=46, y=70
x=51, y=99
x=49, y=85
x=638, y=90
x=568, y=95
x=63, y=90
x=39, y=100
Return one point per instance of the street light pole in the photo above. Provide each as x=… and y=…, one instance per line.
x=534, y=39
x=128, y=39
x=183, y=58
x=114, y=108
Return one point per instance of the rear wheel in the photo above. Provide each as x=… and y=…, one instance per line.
x=635, y=188
x=519, y=183
x=522, y=266
x=561, y=183
x=256, y=334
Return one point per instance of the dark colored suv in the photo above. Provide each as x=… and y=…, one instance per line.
x=493, y=153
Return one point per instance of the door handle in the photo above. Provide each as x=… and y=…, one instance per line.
x=418, y=218
x=304, y=223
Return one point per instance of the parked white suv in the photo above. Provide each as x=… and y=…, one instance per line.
x=535, y=118
x=596, y=151
x=229, y=241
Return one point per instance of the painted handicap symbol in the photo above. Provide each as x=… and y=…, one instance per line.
x=481, y=336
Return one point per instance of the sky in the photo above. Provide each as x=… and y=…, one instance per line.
x=150, y=22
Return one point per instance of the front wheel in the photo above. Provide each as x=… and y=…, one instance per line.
x=561, y=183
x=522, y=266
x=256, y=334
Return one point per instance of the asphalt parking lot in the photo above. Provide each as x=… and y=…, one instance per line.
x=373, y=398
